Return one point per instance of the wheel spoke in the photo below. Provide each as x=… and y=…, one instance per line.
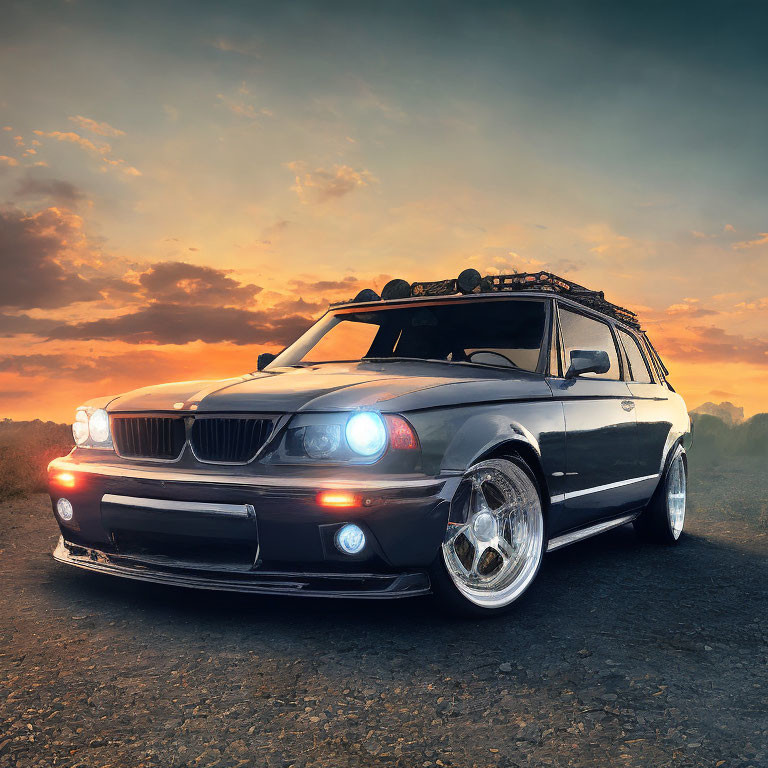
x=505, y=549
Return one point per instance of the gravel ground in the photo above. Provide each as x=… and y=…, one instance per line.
x=620, y=654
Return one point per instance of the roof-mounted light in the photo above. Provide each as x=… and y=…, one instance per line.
x=396, y=289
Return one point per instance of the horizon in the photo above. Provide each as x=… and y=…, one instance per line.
x=184, y=186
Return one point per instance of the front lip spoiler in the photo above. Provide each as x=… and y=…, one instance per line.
x=344, y=585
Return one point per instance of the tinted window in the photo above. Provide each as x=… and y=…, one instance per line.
x=638, y=368
x=658, y=364
x=582, y=332
x=504, y=333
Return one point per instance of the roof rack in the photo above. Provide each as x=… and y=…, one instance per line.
x=547, y=281
x=470, y=281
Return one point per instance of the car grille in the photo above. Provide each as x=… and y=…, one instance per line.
x=225, y=439
x=148, y=437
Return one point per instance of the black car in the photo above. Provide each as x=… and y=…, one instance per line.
x=438, y=439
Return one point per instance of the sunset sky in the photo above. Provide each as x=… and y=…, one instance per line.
x=185, y=185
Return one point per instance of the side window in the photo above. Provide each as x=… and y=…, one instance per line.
x=656, y=360
x=582, y=332
x=554, y=366
x=638, y=368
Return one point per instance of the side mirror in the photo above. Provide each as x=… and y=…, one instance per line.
x=263, y=360
x=588, y=361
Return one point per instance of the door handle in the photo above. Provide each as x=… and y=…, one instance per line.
x=627, y=405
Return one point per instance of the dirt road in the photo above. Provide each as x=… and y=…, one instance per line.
x=621, y=654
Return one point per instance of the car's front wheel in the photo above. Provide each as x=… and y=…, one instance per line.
x=495, y=539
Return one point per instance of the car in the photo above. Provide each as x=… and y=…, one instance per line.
x=438, y=439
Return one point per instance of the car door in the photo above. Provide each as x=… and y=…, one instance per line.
x=651, y=398
x=601, y=428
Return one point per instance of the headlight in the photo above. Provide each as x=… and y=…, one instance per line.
x=321, y=440
x=98, y=425
x=366, y=434
x=80, y=427
x=91, y=428
x=362, y=437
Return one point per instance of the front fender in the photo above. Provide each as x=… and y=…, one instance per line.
x=454, y=439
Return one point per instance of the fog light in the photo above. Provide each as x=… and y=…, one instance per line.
x=64, y=508
x=350, y=539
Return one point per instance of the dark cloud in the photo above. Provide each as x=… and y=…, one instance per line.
x=56, y=190
x=348, y=283
x=10, y=325
x=79, y=368
x=177, y=282
x=161, y=323
x=15, y=394
x=30, y=275
x=68, y=366
x=298, y=307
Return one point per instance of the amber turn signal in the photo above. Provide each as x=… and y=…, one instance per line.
x=338, y=499
x=64, y=479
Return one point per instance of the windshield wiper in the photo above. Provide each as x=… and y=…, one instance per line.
x=435, y=360
x=404, y=360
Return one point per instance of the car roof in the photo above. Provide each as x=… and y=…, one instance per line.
x=470, y=284
x=361, y=306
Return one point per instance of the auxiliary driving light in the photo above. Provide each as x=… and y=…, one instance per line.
x=350, y=539
x=64, y=508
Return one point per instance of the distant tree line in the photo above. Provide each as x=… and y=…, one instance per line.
x=714, y=439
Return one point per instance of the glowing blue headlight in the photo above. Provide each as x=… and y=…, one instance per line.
x=350, y=539
x=366, y=433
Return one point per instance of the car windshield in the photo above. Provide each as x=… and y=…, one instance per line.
x=498, y=332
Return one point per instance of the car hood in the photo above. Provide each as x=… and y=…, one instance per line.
x=393, y=386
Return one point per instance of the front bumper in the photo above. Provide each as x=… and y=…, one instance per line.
x=250, y=533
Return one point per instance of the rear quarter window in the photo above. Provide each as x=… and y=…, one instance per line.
x=638, y=367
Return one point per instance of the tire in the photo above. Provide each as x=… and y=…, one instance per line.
x=494, y=542
x=662, y=521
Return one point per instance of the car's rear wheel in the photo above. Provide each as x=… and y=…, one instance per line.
x=494, y=541
x=663, y=519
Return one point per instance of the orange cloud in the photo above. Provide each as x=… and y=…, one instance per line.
x=243, y=109
x=709, y=344
x=76, y=138
x=100, y=129
x=5, y=160
x=103, y=151
x=761, y=239
x=322, y=185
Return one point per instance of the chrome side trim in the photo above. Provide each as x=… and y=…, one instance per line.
x=201, y=507
x=561, y=497
x=585, y=533
x=251, y=481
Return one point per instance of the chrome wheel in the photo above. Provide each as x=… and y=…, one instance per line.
x=676, y=492
x=495, y=537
